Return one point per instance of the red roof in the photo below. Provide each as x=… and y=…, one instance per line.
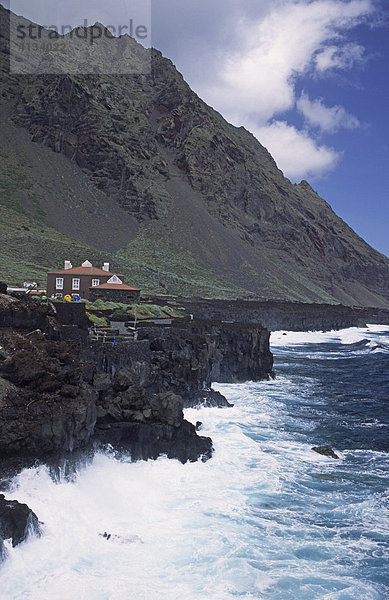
x=114, y=286
x=83, y=271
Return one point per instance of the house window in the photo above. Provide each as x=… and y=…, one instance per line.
x=75, y=284
x=95, y=282
x=59, y=283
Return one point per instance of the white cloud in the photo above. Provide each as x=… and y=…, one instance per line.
x=296, y=154
x=260, y=77
x=329, y=119
x=334, y=57
x=257, y=82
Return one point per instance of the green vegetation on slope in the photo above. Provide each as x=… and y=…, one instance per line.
x=29, y=248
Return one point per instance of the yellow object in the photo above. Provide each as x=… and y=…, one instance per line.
x=68, y=298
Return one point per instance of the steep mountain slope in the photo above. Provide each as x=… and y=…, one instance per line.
x=140, y=171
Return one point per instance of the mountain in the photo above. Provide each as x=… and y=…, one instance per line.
x=137, y=170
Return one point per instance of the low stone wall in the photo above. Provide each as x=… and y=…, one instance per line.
x=71, y=313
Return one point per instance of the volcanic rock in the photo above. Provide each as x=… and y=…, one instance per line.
x=326, y=451
x=17, y=521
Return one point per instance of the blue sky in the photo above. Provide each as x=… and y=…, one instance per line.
x=308, y=77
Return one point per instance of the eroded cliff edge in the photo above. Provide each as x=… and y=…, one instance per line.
x=61, y=392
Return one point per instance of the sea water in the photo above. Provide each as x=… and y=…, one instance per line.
x=265, y=518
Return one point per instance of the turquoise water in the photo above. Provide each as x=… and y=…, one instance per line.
x=266, y=518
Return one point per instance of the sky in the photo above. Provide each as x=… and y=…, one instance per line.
x=309, y=78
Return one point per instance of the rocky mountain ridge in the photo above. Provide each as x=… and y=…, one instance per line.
x=186, y=203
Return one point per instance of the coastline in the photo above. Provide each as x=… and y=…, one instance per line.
x=70, y=393
x=63, y=392
x=264, y=505
x=64, y=397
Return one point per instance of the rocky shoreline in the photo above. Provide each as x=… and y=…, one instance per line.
x=63, y=395
x=61, y=391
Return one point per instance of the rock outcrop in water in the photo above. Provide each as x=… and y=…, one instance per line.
x=325, y=451
x=145, y=424
x=17, y=522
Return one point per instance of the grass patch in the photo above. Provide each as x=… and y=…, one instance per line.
x=127, y=312
x=98, y=321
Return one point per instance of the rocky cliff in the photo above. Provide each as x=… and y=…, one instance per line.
x=197, y=206
x=186, y=359
x=57, y=397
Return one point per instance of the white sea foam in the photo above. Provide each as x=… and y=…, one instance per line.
x=295, y=338
x=376, y=337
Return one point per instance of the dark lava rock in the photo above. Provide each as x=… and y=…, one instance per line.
x=57, y=398
x=326, y=451
x=6, y=388
x=3, y=551
x=148, y=441
x=17, y=521
x=208, y=398
x=102, y=382
x=123, y=379
x=167, y=408
x=148, y=427
x=37, y=425
x=46, y=407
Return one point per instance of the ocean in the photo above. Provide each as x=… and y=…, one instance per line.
x=265, y=518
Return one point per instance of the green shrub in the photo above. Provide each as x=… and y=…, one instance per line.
x=120, y=314
x=99, y=321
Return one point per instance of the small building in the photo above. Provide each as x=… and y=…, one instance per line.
x=82, y=280
x=114, y=290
